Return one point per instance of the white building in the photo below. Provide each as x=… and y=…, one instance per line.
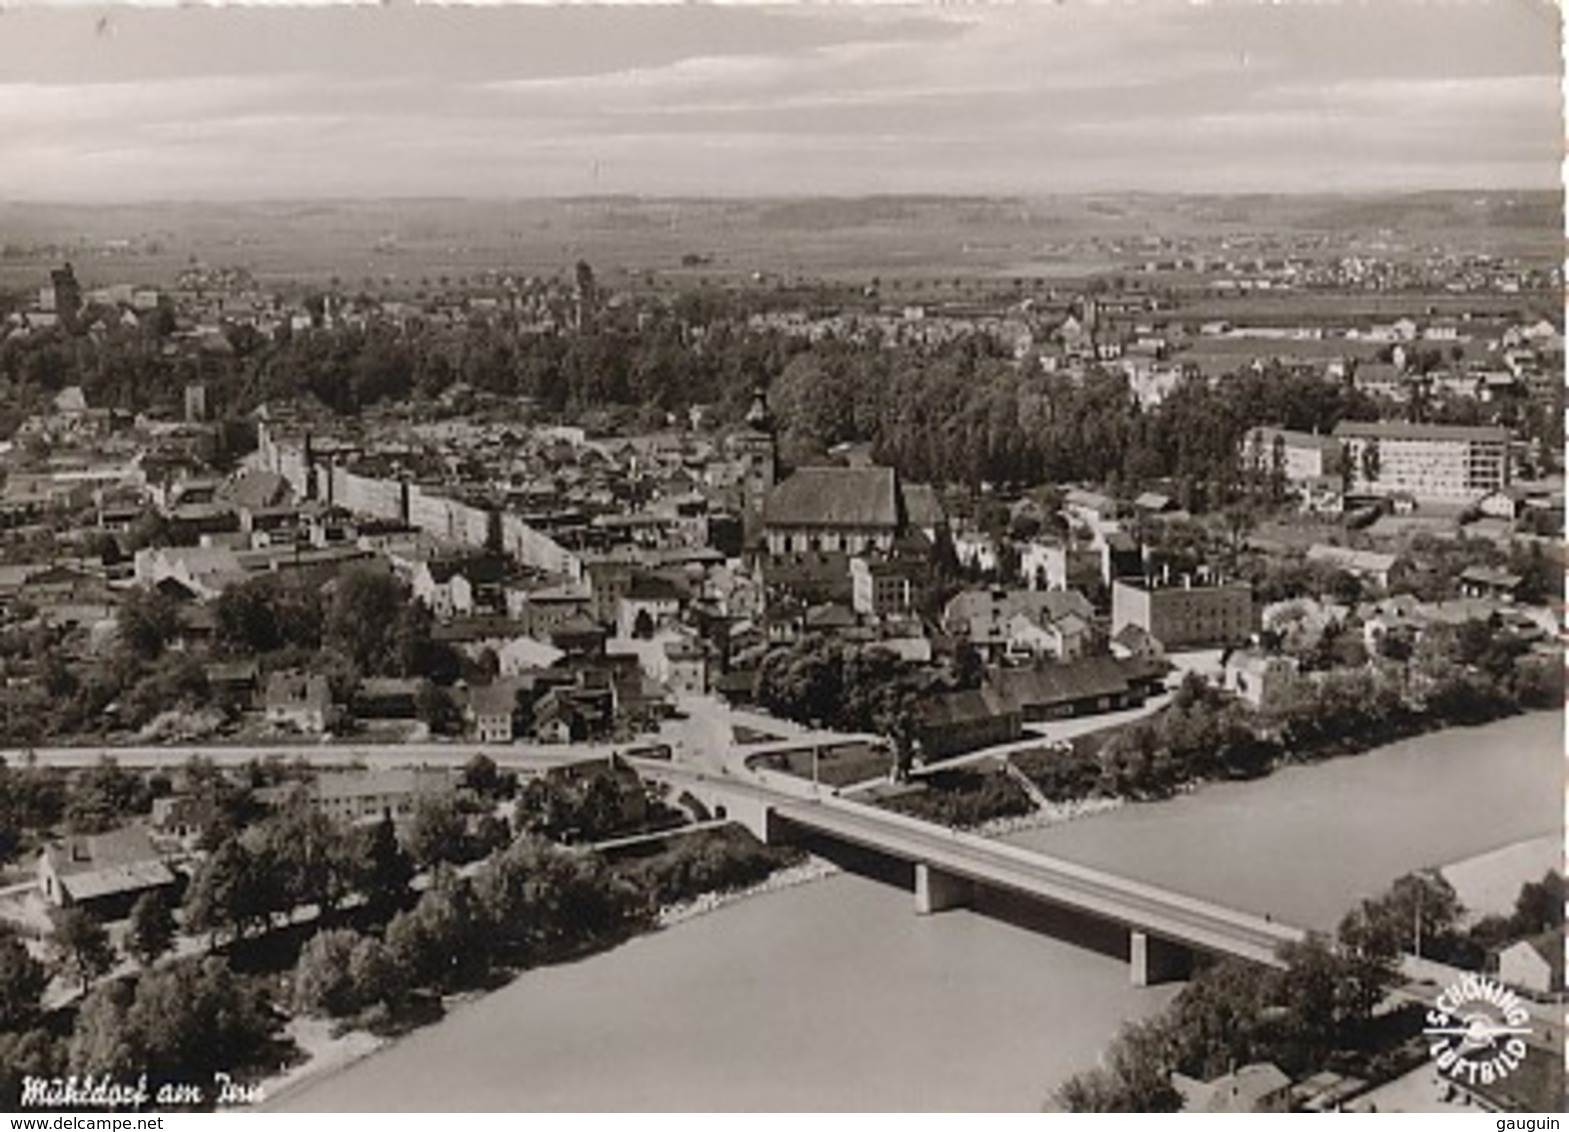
x=1427, y=461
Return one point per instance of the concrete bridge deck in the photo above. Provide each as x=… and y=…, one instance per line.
x=1165, y=927
x=1168, y=915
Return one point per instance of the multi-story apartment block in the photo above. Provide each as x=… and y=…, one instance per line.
x=1183, y=614
x=1297, y=456
x=1427, y=461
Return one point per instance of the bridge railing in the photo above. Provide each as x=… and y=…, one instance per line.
x=1032, y=859
x=791, y=792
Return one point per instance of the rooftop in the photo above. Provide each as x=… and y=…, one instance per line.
x=835, y=497
x=1407, y=430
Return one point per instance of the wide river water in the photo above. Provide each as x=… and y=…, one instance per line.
x=835, y=995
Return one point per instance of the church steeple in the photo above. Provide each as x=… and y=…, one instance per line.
x=758, y=416
x=756, y=448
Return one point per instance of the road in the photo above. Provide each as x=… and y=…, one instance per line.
x=515, y=756
x=1054, y=731
x=1173, y=915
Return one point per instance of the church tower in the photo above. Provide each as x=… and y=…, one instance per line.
x=756, y=447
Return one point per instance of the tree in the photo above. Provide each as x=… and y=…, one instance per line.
x=438, y=832
x=102, y=1040
x=224, y=894
x=151, y=928
x=323, y=980
x=1135, y=1076
x=379, y=867
x=442, y=941
x=1419, y=909
x=103, y=795
x=306, y=851
x=259, y=615
x=481, y=776
x=363, y=620
x=36, y=1053
x=82, y=944
x=538, y=901
x=436, y=708
x=375, y=973
x=194, y=1017
x=1540, y=906
x=22, y=982
x=147, y=621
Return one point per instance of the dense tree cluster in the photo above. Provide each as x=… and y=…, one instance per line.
x=1463, y=674
x=296, y=856
x=963, y=798
x=1319, y=1012
x=715, y=860
x=1539, y=908
x=844, y=686
x=962, y=411
x=530, y=903
x=180, y=1021
x=1315, y=1013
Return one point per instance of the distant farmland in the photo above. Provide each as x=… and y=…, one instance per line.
x=892, y=238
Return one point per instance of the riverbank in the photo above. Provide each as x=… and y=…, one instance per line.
x=1488, y=883
x=1267, y=845
x=330, y=1053
x=830, y=994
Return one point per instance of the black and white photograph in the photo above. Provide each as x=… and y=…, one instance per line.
x=782, y=557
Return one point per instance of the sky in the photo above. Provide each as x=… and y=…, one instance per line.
x=264, y=102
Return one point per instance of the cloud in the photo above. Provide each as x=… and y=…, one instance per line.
x=701, y=99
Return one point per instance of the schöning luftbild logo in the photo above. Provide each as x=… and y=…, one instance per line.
x=1477, y=1030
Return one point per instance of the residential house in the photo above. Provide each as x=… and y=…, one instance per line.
x=102, y=872
x=1133, y=642
x=543, y=609
x=1052, y=566
x=1258, y=678
x=1089, y=507
x=1535, y=965
x=1489, y=582
x=686, y=667
x=1260, y=1087
x=1088, y=686
x=299, y=700
x=387, y=697
x=497, y=712
x=650, y=602
x=458, y=586
x=1017, y=624
x=1370, y=566
x=953, y=723
x=234, y=682
x=574, y=714
x=184, y=817
x=202, y=571
x=882, y=587
x=521, y=654
x=371, y=795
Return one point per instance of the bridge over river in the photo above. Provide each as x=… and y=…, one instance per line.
x=1165, y=928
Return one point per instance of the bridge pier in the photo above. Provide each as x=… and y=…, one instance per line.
x=1152, y=959
x=937, y=891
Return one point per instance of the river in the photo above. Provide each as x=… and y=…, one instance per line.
x=836, y=996
x=1308, y=841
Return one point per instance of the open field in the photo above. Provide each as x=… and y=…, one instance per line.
x=847, y=239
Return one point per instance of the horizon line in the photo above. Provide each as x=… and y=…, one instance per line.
x=741, y=198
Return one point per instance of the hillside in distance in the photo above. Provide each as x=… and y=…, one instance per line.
x=715, y=239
